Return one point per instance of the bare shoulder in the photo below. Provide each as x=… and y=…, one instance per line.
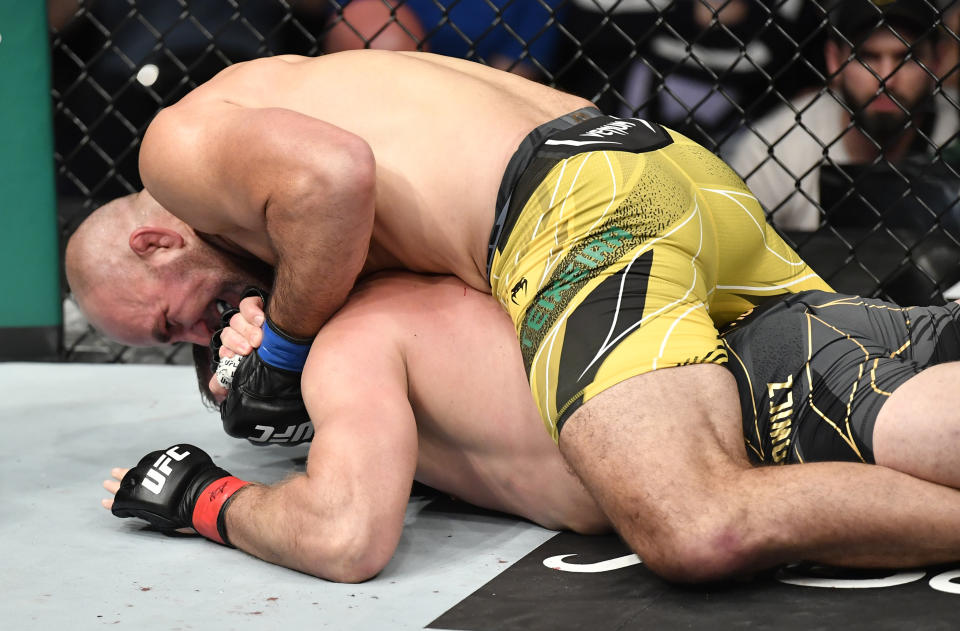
x=181, y=166
x=391, y=317
x=394, y=307
x=219, y=155
x=404, y=297
x=178, y=128
x=260, y=70
x=223, y=92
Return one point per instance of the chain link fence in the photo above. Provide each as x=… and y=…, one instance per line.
x=845, y=129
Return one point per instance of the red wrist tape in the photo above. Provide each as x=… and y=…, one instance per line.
x=206, y=512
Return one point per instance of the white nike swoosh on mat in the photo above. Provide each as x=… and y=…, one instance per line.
x=558, y=563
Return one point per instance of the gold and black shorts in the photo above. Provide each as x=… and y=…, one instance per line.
x=619, y=248
x=814, y=369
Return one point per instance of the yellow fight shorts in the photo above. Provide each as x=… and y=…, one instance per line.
x=619, y=248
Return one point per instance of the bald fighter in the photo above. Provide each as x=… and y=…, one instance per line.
x=418, y=377
x=617, y=246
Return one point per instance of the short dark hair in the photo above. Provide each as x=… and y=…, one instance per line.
x=201, y=363
x=853, y=21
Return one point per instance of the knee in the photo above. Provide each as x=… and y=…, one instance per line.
x=697, y=551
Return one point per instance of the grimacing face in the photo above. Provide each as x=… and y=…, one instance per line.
x=158, y=310
x=143, y=277
x=180, y=301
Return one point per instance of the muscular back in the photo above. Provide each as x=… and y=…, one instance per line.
x=441, y=131
x=480, y=437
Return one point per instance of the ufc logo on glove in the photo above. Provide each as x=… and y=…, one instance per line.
x=157, y=474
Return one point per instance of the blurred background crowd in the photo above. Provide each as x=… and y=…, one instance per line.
x=841, y=116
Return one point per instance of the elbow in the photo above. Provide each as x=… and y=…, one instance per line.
x=362, y=168
x=349, y=569
x=334, y=191
x=365, y=558
x=349, y=174
x=354, y=557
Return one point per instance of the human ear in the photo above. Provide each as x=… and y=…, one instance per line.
x=832, y=56
x=146, y=240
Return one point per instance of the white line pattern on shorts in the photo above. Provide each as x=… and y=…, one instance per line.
x=771, y=287
x=763, y=233
x=551, y=337
x=553, y=197
x=663, y=345
x=552, y=260
x=693, y=263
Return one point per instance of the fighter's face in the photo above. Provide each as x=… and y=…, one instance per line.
x=161, y=310
x=885, y=83
x=180, y=301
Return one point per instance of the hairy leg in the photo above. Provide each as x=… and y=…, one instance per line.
x=918, y=428
x=663, y=455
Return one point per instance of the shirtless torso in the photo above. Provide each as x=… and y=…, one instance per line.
x=479, y=434
x=440, y=157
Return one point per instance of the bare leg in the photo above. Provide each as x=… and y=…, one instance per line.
x=663, y=455
x=918, y=428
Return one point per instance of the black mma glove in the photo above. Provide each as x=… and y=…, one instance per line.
x=178, y=488
x=264, y=403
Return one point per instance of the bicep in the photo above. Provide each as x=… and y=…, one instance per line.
x=218, y=166
x=343, y=518
x=365, y=439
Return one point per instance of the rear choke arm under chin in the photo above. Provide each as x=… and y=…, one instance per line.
x=321, y=234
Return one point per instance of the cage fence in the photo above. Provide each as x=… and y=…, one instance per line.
x=841, y=118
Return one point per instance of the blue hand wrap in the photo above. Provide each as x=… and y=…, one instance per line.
x=281, y=351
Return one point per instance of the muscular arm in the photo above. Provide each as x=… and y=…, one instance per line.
x=342, y=519
x=293, y=190
x=673, y=477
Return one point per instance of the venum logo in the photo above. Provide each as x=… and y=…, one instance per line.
x=616, y=128
x=157, y=474
x=521, y=286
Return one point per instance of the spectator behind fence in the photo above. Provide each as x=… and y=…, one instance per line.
x=710, y=66
x=507, y=34
x=883, y=103
x=374, y=24
x=697, y=66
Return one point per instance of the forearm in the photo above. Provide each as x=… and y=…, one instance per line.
x=319, y=225
x=321, y=231
x=849, y=514
x=288, y=524
x=294, y=191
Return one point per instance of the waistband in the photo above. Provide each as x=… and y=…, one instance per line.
x=518, y=164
